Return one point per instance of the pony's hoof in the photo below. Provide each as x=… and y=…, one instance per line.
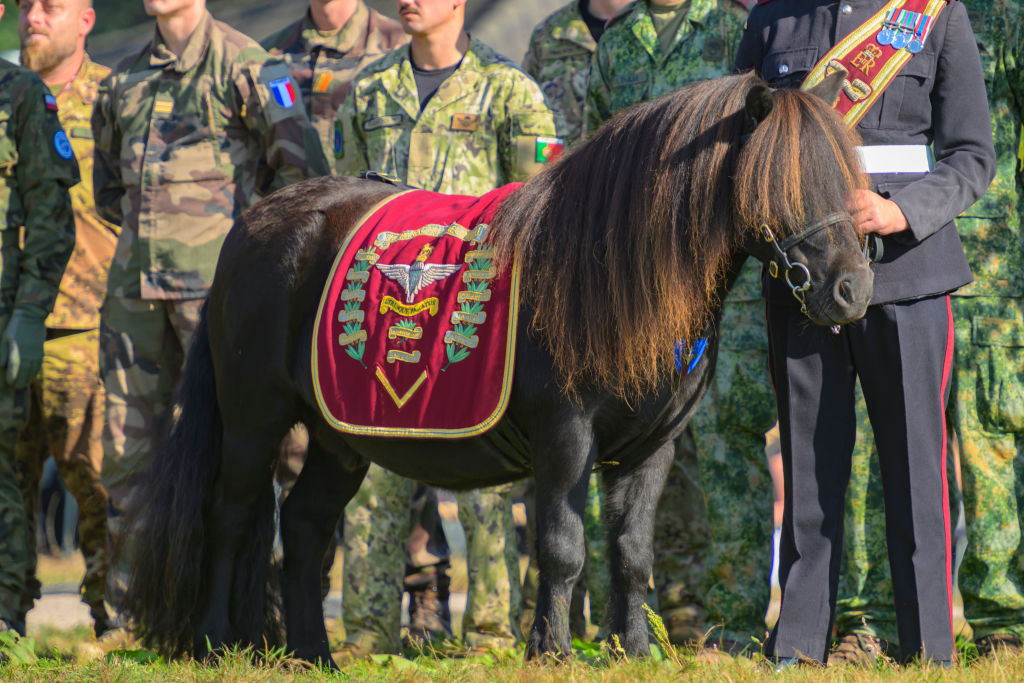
x=541, y=649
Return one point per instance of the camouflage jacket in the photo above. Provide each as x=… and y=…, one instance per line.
x=486, y=125
x=324, y=64
x=37, y=166
x=559, y=60
x=991, y=231
x=629, y=67
x=178, y=147
x=85, y=279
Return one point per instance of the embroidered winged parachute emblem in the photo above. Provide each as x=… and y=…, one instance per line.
x=418, y=274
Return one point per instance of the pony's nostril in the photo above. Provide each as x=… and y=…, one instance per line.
x=844, y=292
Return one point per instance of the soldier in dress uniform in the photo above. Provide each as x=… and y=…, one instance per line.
x=712, y=540
x=180, y=127
x=445, y=114
x=67, y=405
x=37, y=166
x=986, y=409
x=912, y=84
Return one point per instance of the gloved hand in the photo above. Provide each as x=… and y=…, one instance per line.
x=21, y=345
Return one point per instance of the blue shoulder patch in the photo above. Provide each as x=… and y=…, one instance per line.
x=62, y=145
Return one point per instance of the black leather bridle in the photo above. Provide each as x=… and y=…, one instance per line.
x=779, y=259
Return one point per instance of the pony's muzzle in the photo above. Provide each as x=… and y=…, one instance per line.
x=851, y=294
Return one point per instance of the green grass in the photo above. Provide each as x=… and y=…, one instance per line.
x=49, y=656
x=591, y=663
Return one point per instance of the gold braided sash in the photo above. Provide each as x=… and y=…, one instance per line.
x=873, y=53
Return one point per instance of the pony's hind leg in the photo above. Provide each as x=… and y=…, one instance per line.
x=631, y=496
x=239, y=519
x=308, y=518
x=562, y=472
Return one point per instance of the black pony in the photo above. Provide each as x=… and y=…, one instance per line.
x=628, y=243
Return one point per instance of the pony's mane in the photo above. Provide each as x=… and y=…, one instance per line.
x=626, y=240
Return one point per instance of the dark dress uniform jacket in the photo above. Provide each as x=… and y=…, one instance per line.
x=937, y=99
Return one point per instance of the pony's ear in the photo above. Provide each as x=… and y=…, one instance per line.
x=759, y=103
x=829, y=87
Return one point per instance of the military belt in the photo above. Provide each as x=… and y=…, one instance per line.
x=896, y=158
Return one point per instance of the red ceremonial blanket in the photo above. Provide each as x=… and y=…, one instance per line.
x=415, y=334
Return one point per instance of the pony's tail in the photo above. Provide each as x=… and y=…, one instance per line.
x=165, y=519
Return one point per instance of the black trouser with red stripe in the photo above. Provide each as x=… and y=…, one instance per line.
x=902, y=354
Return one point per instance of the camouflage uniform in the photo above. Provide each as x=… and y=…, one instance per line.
x=727, y=576
x=324, y=64
x=179, y=140
x=478, y=131
x=987, y=400
x=37, y=166
x=66, y=419
x=558, y=58
x=986, y=407
x=629, y=65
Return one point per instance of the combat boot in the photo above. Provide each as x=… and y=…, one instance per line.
x=429, y=616
x=101, y=621
x=999, y=643
x=859, y=649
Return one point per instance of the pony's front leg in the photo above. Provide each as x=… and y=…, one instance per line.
x=309, y=516
x=562, y=465
x=631, y=496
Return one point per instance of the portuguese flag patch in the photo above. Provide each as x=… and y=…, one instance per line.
x=548, y=149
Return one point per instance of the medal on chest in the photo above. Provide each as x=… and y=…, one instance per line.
x=905, y=30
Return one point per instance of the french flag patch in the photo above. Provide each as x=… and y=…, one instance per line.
x=51, y=102
x=284, y=92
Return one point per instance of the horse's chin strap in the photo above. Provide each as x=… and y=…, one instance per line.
x=780, y=258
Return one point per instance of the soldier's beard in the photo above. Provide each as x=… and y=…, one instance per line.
x=44, y=56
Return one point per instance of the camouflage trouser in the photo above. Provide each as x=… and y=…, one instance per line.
x=16, y=543
x=66, y=421
x=728, y=430
x=376, y=528
x=494, y=600
x=986, y=409
x=377, y=525
x=143, y=344
x=865, y=600
x=681, y=546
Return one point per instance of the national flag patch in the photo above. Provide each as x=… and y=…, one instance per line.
x=284, y=92
x=322, y=82
x=548, y=149
x=51, y=102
